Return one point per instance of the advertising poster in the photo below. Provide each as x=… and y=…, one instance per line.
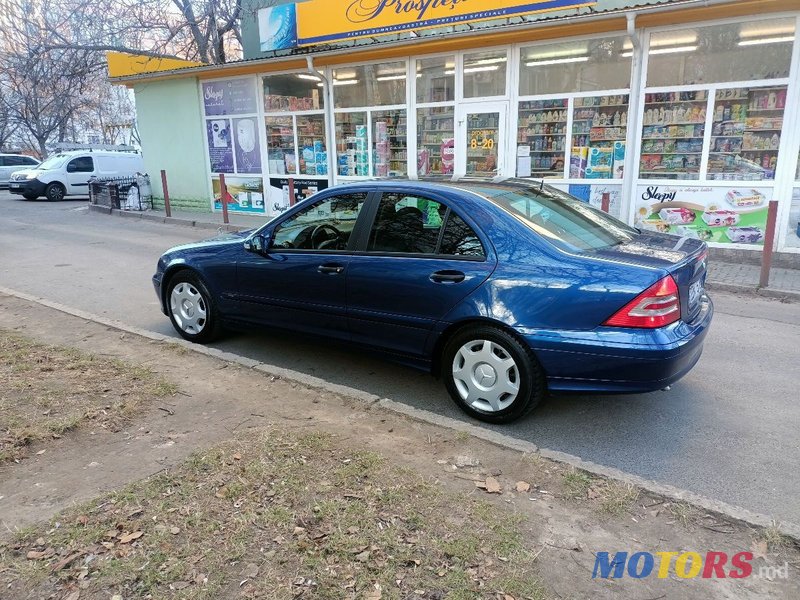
x=244, y=194
x=279, y=200
x=599, y=195
x=793, y=235
x=248, y=153
x=277, y=27
x=722, y=215
x=229, y=97
x=220, y=151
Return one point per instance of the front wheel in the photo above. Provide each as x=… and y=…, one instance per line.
x=491, y=375
x=192, y=309
x=55, y=192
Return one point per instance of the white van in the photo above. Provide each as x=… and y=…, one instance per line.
x=68, y=173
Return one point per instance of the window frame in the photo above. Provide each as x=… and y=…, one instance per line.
x=77, y=158
x=376, y=198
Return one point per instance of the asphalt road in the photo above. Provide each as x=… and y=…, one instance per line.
x=729, y=430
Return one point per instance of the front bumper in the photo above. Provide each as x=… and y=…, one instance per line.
x=157, y=279
x=620, y=360
x=27, y=187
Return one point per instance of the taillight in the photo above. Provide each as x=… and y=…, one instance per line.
x=657, y=306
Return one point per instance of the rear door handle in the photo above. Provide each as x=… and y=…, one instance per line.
x=331, y=269
x=447, y=277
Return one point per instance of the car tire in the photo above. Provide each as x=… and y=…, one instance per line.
x=192, y=309
x=491, y=375
x=55, y=192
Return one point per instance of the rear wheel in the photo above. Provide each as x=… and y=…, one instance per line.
x=491, y=375
x=191, y=308
x=55, y=192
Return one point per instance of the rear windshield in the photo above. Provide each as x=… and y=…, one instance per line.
x=558, y=217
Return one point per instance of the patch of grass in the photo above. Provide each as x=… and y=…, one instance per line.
x=774, y=539
x=318, y=518
x=47, y=391
x=576, y=484
x=682, y=512
x=617, y=498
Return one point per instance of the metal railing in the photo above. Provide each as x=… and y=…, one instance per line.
x=122, y=193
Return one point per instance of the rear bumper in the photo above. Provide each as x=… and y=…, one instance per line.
x=619, y=360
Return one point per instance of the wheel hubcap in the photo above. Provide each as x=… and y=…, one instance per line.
x=485, y=375
x=188, y=308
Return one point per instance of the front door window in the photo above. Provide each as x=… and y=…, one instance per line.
x=325, y=225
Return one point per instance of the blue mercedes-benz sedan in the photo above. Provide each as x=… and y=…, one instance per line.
x=506, y=289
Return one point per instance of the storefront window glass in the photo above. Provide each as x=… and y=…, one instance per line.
x=313, y=158
x=483, y=131
x=295, y=92
x=370, y=85
x=583, y=66
x=390, y=152
x=746, y=133
x=542, y=136
x=436, y=79
x=352, y=145
x=672, y=135
x=599, y=126
x=435, y=140
x=734, y=52
x=485, y=74
x=280, y=145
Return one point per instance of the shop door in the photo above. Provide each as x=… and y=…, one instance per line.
x=481, y=139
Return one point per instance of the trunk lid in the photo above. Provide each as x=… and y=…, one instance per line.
x=686, y=259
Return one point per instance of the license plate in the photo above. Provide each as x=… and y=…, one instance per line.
x=695, y=292
x=14, y=186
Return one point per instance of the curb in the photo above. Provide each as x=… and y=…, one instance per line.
x=737, y=288
x=159, y=218
x=670, y=492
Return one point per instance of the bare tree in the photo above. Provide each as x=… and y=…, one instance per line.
x=7, y=126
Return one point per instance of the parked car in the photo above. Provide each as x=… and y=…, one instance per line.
x=507, y=290
x=68, y=173
x=13, y=162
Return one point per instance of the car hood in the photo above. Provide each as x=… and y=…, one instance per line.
x=25, y=172
x=218, y=241
x=653, y=249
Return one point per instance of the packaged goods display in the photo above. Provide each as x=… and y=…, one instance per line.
x=599, y=126
x=543, y=127
x=281, y=154
x=389, y=142
x=746, y=133
x=352, y=149
x=672, y=134
x=435, y=140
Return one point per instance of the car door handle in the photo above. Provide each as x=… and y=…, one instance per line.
x=331, y=269
x=447, y=277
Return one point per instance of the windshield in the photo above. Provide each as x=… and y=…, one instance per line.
x=560, y=218
x=52, y=163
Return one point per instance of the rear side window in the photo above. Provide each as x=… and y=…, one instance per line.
x=16, y=161
x=82, y=164
x=559, y=218
x=408, y=224
x=30, y=161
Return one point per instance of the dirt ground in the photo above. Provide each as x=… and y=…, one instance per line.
x=561, y=520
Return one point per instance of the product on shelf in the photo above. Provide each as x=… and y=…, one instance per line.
x=720, y=218
x=676, y=216
x=740, y=198
x=599, y=128
x=543, y=127
x=745, y=235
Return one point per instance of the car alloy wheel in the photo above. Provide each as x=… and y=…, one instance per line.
x=189, y=308
x=486, y=376
x=55, y=192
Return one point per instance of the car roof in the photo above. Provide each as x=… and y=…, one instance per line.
x=453, y=183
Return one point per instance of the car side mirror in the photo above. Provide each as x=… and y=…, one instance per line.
x=257, y=243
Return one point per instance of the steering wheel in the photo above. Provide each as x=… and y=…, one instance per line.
x=328, y=241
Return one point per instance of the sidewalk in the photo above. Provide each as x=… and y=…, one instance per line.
x=722, y=275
